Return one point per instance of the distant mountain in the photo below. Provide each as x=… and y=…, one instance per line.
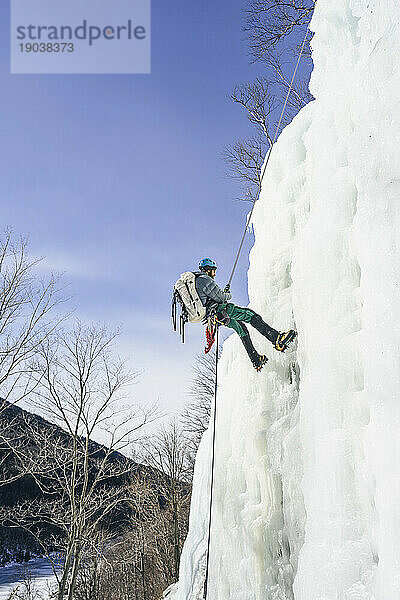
x=16, y=544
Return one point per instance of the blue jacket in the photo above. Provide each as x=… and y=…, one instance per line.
x=209, y=292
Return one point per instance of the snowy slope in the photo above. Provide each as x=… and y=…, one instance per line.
x=307, y=488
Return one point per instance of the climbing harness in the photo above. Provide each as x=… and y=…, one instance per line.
x=213, y=322
x=228, y=284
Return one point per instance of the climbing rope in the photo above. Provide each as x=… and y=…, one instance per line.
x=212, y=463
x=268, y=156
x=217, y=336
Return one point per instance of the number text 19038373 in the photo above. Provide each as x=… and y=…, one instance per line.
x=47, y=47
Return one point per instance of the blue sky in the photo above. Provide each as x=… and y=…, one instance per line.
x=119, y=183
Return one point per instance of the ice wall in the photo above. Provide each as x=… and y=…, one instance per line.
x=307, y=486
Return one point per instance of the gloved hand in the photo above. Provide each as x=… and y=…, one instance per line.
x=222, y=317
x=227, y=292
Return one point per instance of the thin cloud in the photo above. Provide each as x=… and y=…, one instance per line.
x=80, y=267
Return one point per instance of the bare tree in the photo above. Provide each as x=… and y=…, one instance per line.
x=196, y=414
x=114, y=575
x=270, y=23
x=258, y=102
x=27, y=316
x=150, y=535
x=167, y=454
x=26, y=589
x=245, y=159
x=281, y=73
x=274, y=28
x=131, y=567
x=12, y=442
x=146, y=559
x=80, y=387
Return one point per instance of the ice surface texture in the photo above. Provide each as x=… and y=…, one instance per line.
x=307, y=496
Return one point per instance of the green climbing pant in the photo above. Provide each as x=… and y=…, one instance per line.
x=236, y=314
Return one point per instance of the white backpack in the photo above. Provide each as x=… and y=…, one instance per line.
x=185, y=290
x=186, y=295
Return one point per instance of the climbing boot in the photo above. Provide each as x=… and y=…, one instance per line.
x=284, y=339
x=258, y=360
x=263, y=327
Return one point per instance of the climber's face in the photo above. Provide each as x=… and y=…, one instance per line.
x=212, y=272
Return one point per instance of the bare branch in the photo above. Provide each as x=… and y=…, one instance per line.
x=269, y=23
x=258, y=102
x=245, y=159
x=27, y=316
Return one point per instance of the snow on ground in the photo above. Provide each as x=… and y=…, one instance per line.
x=13, y=575
x=307, y=483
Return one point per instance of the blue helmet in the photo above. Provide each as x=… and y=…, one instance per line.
x=207, y=263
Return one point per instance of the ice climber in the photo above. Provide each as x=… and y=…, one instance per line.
x=217, y=303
